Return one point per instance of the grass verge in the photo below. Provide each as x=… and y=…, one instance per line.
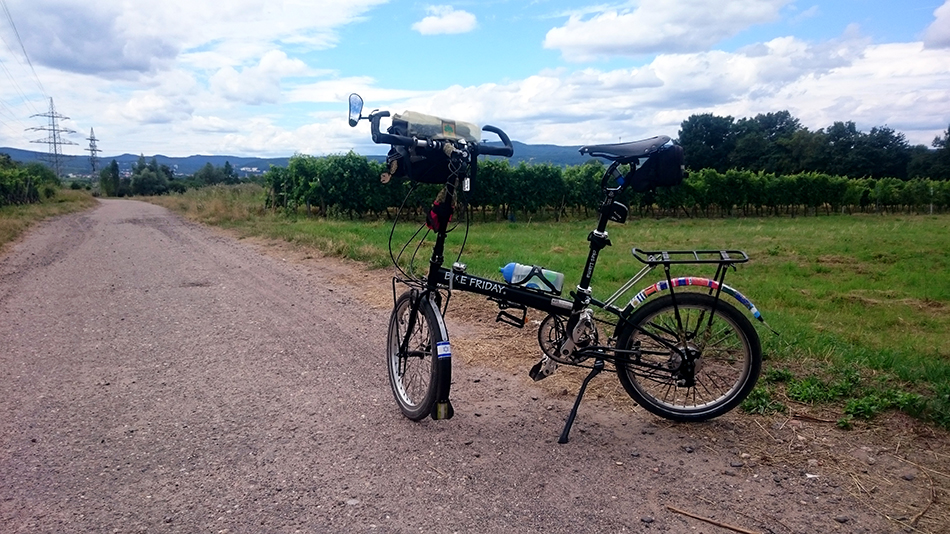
x=14, y=220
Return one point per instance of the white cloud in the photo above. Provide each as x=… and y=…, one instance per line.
x=445, y=19
x=257, y=84
x=903, y=86
x=938, y=33
x=116, y=35
x=328, y=135
x=658, y=26
x=809, y=13
x=338, y=89
x=150, y=108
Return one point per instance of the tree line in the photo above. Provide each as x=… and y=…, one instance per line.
x=778, y=143
x=25, y=184
x=150, y=178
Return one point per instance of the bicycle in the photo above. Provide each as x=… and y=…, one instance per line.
x=685, y=355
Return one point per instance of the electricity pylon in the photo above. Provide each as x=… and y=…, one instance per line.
x=54, y=140
x=93, y=155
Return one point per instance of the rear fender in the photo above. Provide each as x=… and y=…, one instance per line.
x=664, y=285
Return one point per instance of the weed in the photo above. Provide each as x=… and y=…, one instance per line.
x=813, y=390
x=809, y=390
x=760, y=402
x=845, y=423
x=773, y=376
x=877, y=402
x=939, y=406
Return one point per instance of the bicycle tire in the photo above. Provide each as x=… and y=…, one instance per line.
x=414, y=375
x=727, y=368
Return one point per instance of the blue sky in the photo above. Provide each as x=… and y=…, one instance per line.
x=254, y=78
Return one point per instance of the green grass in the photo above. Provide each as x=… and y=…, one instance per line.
x=14, y=220
x=861, y=302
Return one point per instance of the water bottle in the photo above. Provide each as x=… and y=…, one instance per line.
x=533, y=277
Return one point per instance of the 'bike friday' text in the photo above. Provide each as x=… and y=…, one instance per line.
x=477, y=283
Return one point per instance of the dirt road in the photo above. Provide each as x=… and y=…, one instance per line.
x=157, y=376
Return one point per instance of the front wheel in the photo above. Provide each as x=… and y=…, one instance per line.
x=411, y=353
x=691, y=368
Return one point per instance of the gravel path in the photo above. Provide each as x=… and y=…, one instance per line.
x=157, y=376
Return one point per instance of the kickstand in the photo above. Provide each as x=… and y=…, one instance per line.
x=598, y=367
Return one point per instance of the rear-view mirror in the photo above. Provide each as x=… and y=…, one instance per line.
x=356, y=108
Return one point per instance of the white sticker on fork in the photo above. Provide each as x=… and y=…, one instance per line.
x=443, y=349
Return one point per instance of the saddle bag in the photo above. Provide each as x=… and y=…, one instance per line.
x=665, y=168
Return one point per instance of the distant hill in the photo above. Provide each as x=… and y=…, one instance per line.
x=185, y=166
x=554, y=154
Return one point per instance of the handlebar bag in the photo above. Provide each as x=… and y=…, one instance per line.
x=424, y=165
x=665, y=168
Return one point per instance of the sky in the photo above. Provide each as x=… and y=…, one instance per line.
x=271, y=78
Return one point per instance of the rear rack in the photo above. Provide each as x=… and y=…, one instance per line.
x=671, y=257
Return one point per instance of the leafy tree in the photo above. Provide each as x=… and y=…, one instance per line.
x=125, y=187
x=109, y=179
x=149, y=182
x=762, y=142
x=209, y=175
x=840, y=141
x=881, y=153
x=230, y=177
x=708, y=141
x=141, y=165
x=803, y=151
x=941, y=166
x=42, y=174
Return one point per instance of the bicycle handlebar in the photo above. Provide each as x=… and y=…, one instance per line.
x=505, y=151
x=381, y=138
x=385, y=138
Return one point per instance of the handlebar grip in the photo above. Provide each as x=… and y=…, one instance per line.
x=384, y=138
x=505, y=151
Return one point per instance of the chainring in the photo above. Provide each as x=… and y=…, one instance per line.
x=553, y=332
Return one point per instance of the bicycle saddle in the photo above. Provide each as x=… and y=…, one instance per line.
x=633, y=149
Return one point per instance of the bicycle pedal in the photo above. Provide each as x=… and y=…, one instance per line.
x=512, y=320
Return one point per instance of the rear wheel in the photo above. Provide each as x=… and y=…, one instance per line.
x=690, y=373
x=411, y=355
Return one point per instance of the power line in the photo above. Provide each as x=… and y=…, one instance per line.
x=16, y=85
x=23, y=48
